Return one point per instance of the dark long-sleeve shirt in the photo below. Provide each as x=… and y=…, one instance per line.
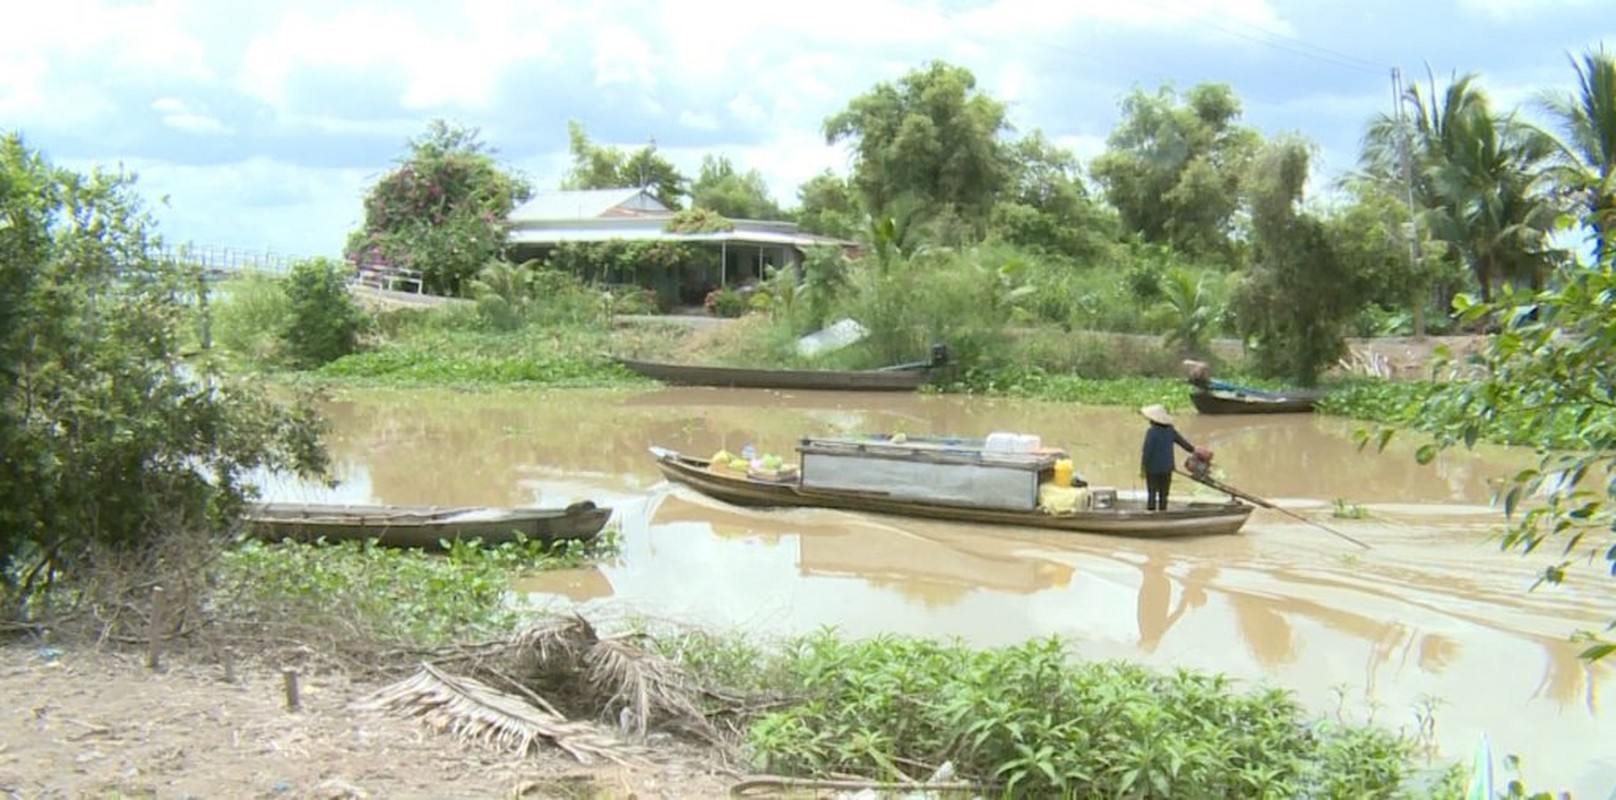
x=1158, y=450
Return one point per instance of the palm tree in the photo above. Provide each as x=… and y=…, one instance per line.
x=1477, y=179
x=1587, y=156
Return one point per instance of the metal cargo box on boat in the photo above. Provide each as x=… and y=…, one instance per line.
x=937, y=471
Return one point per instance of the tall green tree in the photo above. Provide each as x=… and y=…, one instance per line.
x=108, y=440
x=926, y=147
x=1172, y=166
x=1587, y=151
x=1294, y=301
x=1477, y=178
x=731, y=193
x=442, y=210
x=828, y=205
x=607, y=167
x=1046, y=206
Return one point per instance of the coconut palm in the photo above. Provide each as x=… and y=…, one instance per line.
x=1477, y=177
x=1587, y=155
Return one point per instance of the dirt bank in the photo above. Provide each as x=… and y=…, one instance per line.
x=80, y=723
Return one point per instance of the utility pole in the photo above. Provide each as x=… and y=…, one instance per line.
x=1405, y=147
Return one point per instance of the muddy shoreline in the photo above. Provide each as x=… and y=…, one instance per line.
x=81, y=722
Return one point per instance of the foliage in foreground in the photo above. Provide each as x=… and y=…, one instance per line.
x=106, y=436
x=1034, y=723
x=356, y=597
x=1545, y=380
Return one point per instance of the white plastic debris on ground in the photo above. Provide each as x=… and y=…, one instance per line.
x=833, y=337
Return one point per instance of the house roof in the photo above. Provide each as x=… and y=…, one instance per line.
x=587, y=233
x=588, y=204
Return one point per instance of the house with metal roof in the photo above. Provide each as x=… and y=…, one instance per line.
x=727, y=258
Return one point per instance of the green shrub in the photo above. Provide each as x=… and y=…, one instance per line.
x=248, y=315
x=725, y=302
x=323, y=321
x=1034, y=724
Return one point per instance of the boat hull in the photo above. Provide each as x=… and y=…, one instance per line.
x=1225, y=402
x=424, y=527
x=746, y=378
x=1129, y=518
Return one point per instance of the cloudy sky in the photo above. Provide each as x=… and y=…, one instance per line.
x=262, y=124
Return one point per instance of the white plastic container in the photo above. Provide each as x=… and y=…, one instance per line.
x=1028, y=443
x=1000, y=442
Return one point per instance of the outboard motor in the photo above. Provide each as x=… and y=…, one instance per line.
x=939, y=355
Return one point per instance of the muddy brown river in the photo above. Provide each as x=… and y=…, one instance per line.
x=1432, y=619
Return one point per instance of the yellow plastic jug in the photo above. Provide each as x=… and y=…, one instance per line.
x=1063, y=472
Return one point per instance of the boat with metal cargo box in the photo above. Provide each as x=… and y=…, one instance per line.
x=424, y=526
x=945, y=478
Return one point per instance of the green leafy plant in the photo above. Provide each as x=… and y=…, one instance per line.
x=108, y=441
x=725, y=302
x=1030, y=722
x=322, y=321
x=1345, y=510
x=698, y=220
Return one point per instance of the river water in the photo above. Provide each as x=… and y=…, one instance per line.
x=1432, y=618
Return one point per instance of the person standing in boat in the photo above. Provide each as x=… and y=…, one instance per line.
x=1156, y=460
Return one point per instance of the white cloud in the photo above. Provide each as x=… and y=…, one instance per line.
x=348, y=81
x=43, y=45
x=180, y=116
x=438, y=65
x=703, y=121
x=621, y=56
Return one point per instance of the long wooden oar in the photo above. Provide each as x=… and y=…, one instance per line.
x=1233, y=492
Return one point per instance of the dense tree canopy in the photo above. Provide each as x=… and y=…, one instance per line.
x=927, y=145
x=828, y=205
x=1172, y=166
x=1296, y=297
x=442, y=211
x=605, y=167
x=722, y=188
x=1046, y=207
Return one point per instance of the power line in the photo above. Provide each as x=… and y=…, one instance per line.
x=1277, y=40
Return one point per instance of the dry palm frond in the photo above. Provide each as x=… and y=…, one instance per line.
x=561, y=639
x=644, y=684
x=475, y=711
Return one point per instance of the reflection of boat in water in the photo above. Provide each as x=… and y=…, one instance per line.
x=882, y=552
x=902, y=556
x=881, y=380
x=424, y=526
x=888, y=487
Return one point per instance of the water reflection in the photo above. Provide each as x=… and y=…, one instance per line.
x=1432, y=611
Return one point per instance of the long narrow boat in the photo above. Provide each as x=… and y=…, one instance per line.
x=424, y=526
x=881, y=380
x=1123, y=517
x=1236, y=400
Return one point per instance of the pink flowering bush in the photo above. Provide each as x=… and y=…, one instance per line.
x=442, y=211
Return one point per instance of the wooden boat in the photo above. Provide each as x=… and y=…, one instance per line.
x=424, y=526
x=1118, y=516
x=905, y=379
x=1226, y=399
